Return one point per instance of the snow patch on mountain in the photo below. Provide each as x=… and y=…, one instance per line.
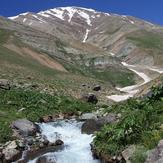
x=53, y=12
x=98, y=15
x=107, y=14
x=159, y=70
x=86, y=9
x=62, y=12
x=112, y=54
x=14, y=17
x=85, y=16
x=58, y=13
x=44, y=14
x=71, y=12
x=86, y=35
x=36, y=17
x=30, y=23
x=24, y=20
x=132, y=22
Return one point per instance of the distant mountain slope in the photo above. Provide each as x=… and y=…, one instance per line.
x=82, y=44
x=106, y=31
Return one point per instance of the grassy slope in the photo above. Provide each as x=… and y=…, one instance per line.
x=19, y=68
x=120, y=77
x=150, y=42
x=139, y=125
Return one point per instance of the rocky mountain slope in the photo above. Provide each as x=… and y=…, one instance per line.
x=65, y=48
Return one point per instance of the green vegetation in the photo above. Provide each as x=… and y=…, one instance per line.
x=109, y=71
x=139, y=155
x=150, y=43
x=35, y=106
x=115, y=76
x=113, y=30
x=4, y=35
x=60, y=45
x=140, y=125
x=148, y=40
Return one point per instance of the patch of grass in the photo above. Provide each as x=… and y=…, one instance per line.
x=113, y=31
x=60, y=45
x=139, y=155
x=150, y=139
x=115, y=76
x=112, y=75
x=148, y=40
x=4, y=35
x=36, y=105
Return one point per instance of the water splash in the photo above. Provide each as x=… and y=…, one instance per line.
x=77, y=145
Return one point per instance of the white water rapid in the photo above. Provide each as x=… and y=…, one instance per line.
x=77, y=145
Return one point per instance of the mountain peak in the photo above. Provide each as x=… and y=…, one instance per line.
x=22, y=14
x=75, y=8
x=80, y=23
x=66, y=13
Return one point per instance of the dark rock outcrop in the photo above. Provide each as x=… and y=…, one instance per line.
x=92, y=125
x=91, y=98
x=97, y=88
x=45, y=159
x=47, y=118
x=59, y=142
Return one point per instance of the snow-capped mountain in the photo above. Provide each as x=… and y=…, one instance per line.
x=86, y=43
x=64, y=14
x=79, y=23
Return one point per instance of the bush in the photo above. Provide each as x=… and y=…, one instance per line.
x=139, y=125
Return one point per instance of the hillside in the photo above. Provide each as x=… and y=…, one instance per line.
x=86, y=46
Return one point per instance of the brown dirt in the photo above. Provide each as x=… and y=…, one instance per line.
x=42, y=58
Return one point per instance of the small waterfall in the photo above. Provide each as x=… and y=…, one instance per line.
x=76, y=145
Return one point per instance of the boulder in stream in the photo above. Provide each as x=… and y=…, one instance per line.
x=45, y=159
x=90, y=126
x=11, y=152
x=59, y=142
x=24, y=127
x=95, y=124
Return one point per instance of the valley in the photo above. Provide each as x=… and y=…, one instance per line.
x=79, y=85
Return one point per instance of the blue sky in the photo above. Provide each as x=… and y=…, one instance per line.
x=151, y=10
